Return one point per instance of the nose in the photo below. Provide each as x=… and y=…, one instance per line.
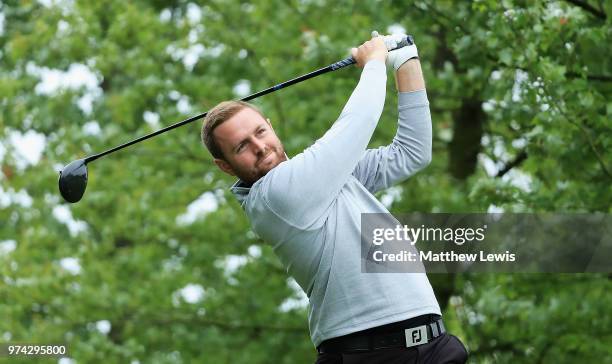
x=258, y=146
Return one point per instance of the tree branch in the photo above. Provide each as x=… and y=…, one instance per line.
x=602, y=78
x=450, y=24
x=515, y=162
x=589, y=8
x=587, y=135
x=586, y=6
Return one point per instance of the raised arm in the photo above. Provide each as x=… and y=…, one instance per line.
x=302, y=189
x=410, y=150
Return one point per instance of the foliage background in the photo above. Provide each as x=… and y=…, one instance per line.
x=520, y=95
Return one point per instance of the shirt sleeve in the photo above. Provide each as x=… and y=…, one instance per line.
x=410, y=150
x=303, y=188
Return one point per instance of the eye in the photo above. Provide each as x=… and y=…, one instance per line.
x=239, y=148
x=261, y=131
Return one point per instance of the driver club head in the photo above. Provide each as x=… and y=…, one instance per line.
x=73, y=181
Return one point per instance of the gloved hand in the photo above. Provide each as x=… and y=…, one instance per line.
x=397, y=57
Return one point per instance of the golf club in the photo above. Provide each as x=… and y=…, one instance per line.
x=73, y=177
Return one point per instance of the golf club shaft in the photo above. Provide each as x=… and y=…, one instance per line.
x=332, y=67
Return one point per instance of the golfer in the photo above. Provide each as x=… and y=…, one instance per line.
x=309, y=209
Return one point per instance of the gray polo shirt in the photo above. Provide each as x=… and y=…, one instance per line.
x=309, y=209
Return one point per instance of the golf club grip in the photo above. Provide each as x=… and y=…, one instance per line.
x=350, y=60
x=408, y=41
x=343, y=63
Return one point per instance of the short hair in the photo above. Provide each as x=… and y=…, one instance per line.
x=215, y=117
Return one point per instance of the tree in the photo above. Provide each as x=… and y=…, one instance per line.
x=520, y=99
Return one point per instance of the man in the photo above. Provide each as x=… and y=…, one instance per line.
x=309, y=208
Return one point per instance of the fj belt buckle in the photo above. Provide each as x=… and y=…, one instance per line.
x=416, y=336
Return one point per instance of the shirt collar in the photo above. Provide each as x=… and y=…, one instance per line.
x=240, y=190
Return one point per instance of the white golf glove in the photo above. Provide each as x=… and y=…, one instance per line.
x=397, y=57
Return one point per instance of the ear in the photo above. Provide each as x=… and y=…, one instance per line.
x=224, y=166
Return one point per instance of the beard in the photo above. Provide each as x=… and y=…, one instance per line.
x=273, y=157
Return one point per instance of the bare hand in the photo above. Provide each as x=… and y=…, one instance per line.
x=374, y=48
